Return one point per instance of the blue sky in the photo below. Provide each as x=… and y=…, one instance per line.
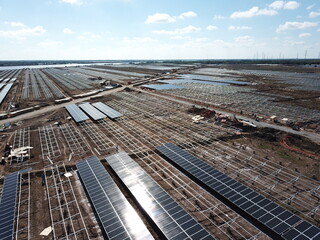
x=153, y=29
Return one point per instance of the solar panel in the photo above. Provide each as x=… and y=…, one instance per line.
x=162, y=86
x=110, y=112
x=8, y=205
x=166, y=213
x=118, y=218
x=5, y=91
x=76, y=113
x=92, y=111
x=182, y=81
x=276, y=218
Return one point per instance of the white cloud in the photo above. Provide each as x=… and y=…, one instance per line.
x=239, y=28
x=88, y=35
x=50, y=43
x=314, y=14
x=310, y=6
x=160, y=18
x=277, y=4
x=187, y=15
x=179, y=37
x=186, y=30
x=295, y=25
x=318, y=30
x=292, y=43
x=245, y=41
x=211, y=28
x=218, y=17
x=72, y=2
x=15, y=24
x=166, y=18
x=68, y=31
x=290, y=5
x=252, y=12
x=138, y=40
x=23, y=32
x=303, y=35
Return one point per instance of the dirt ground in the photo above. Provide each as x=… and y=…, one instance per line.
x=265, y=143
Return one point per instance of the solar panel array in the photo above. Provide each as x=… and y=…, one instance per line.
x=92, y=111
x=167, y=214
x=162, y=86
x=117, y=217
x=5, y=91
x=110, y=112
x=8, y=206
x=76, y=113
x=271, y=215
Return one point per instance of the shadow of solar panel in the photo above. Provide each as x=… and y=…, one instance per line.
x=94, y=113
x=76, y=113
x=167, y=214
x=110, y=112
x=117, y=217
x=262, y=209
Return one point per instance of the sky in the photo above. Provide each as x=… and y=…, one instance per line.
x=158, y=29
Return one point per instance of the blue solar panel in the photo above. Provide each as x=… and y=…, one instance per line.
x=76, y=113
x=166, y=213
x=110, y=112
x=8, y=205
x=162, y=86
x=92, y=111
x=182, y=81
x=276, y=218
x=117, y=217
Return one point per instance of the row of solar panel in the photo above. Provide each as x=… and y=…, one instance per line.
x=166, y=213
x=271, y=215
x=8, y=204
x=117, y=217
x=5, y=91
x=96, y=111
x=162, y=86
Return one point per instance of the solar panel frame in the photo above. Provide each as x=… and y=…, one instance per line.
x=276, y=218
x=166, y=213
x=92, y=111
x=110, y=112
x=117, y=217
x=76, y=113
